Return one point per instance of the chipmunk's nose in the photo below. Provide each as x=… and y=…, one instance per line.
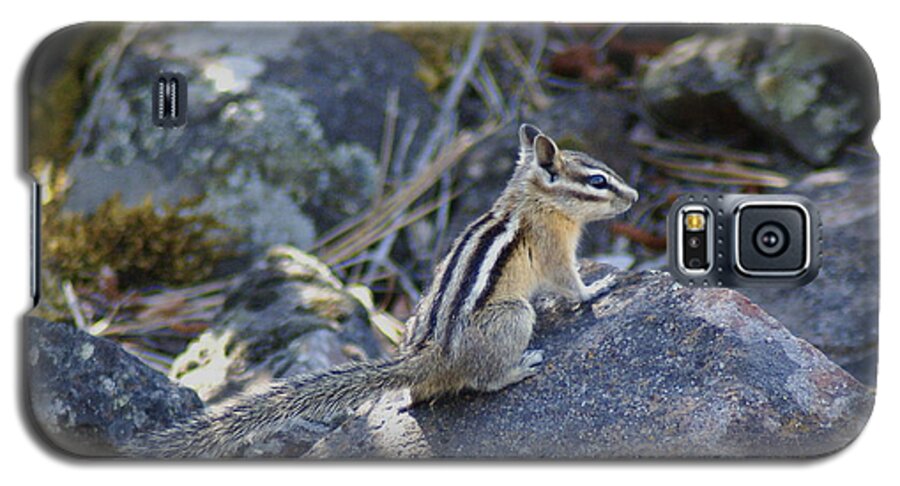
x=631, y=195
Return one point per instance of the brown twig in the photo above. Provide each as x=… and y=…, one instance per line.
x=647, y=239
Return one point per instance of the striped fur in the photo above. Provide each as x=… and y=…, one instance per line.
x=317, y=398
x=469, y=273
x=466, y=275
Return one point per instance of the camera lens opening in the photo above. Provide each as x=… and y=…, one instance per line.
x=770, y=239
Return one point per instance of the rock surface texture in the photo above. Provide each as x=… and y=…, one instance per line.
x=288, y=315
x=88, y=396
x=838, y=311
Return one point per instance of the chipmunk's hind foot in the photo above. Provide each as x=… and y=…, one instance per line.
x=528, y=366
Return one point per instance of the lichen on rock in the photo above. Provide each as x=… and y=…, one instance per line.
x=246, y=137
x=807, y=88
x=89, y=396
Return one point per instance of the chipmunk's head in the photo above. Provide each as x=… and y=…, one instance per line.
x=579, y=186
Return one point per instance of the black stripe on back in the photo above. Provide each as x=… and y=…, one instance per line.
x=471, y=274
x=502, y=259
x=448, y=274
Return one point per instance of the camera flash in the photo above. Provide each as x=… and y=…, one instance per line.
x=694, y=221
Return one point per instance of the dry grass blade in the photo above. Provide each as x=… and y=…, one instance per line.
x=189, y=309
x=159, y=362
x=149, y=325
x=700, y=150
x=530, y=76
x=405, y=280
x=74, y=305
x=485, y=84
x=717, y=173
x=603, y=38
x=339, y=237
x=391, y=112
x=446, y=117
x=388, y=216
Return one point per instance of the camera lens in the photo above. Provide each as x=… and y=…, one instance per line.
x=694, y=242
x=770, y=239
x=695, y=263
x=774, y=239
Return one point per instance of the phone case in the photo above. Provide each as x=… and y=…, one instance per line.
x=241, y=230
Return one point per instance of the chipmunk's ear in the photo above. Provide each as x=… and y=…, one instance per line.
x=545, y=151
x=527, y=134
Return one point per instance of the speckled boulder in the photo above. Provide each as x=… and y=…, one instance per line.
x=650, y=370
x=274, y=136
x=87, y=395
x=810, y=88
x=288, y=315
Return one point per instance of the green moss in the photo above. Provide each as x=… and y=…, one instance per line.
x=435, y=44
x=140, y=244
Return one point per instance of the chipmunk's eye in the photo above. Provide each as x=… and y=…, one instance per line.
x=598, y=181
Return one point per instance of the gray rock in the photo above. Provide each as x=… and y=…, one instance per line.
x=650, y=370
x=289, y=315
x=88, y=396
x=810, y=88
x=346, y=71
x=838, y=311
x=275, y=136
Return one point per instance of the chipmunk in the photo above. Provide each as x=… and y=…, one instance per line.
x=471, y=329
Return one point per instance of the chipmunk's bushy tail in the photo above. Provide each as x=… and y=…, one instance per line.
x=319, y=397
